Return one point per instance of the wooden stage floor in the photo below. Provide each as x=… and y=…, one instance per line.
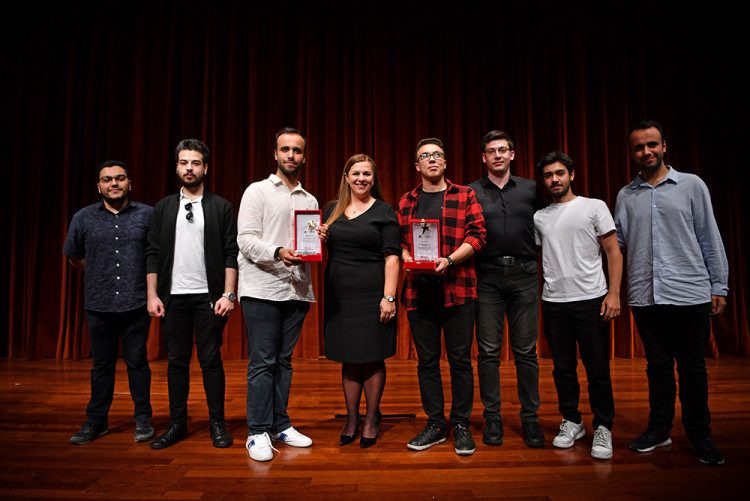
x=42, y=404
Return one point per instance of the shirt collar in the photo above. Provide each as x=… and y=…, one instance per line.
x=672, y=176
x=276, y=180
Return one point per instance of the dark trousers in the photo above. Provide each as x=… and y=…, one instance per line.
x=511, y=291
x=272, y=328
x=104, y=331
x=188, y=313
x=457, y=324
x=676, y=333
x=579, y=323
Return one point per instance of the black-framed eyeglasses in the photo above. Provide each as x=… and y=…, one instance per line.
x=189, y=209
x=437, y=155
x=502, y=150
x=108, y=179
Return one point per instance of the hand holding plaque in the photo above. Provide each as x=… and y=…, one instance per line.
x=425, y=244
x=306, y=239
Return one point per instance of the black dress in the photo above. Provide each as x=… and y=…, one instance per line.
x=354, y=279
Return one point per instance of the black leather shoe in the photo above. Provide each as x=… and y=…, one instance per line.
x=493, y=433
x=174, y=434
x=346, y=439
x=533, y=435
x=220, y=436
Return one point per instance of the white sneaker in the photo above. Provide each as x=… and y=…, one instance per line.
x=259, y=447
x=601, y=447
x=292, y=437
x=569, y=433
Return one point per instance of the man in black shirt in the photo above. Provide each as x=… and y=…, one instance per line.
x=107, y=240
x=507, y=285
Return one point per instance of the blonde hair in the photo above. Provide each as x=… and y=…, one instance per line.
x=345, y=193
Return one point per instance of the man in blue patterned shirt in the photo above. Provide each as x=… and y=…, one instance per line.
x=107, y=240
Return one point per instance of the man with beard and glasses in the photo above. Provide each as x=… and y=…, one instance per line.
x=107, y=240
x=678, y=278
x=275, y=292
x=577, y=303
x=191, y=261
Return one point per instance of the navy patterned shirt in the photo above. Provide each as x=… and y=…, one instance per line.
x=114, y=247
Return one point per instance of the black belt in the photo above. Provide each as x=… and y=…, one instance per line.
x=506, y=261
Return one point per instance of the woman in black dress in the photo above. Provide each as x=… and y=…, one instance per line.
x=363, y=241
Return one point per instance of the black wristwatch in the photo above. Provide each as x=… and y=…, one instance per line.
x=450, y=261
x=276, y=254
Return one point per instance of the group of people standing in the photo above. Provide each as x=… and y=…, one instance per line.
x=183, y=260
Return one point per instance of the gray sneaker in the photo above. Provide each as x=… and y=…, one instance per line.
x=143, y=430
x=569, y=433
x=601, y=447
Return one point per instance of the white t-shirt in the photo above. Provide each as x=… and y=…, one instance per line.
x=571, y=252
x=189, y=267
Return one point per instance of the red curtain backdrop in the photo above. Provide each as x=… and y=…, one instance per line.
x=87, y=81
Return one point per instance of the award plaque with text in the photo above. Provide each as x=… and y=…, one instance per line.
x=306, y=240
x=425, y=244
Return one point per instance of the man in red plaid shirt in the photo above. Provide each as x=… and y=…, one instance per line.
x=443, y=299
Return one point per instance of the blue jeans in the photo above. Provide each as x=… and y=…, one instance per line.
x=185, y=314
x=457, y=323
x=511, y=291
x=104, y=331
x=573, y=326
x=676, y=333
x=272, y=328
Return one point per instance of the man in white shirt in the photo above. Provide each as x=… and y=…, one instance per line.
x=576, y=303
x=275, y=292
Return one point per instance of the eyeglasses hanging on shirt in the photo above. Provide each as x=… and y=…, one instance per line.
x=189, y=209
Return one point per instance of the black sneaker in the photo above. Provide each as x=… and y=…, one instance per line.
x=705, y=449
x=649, y=441
x=465, y=445
x=220, y=436
x=88, y=432
x=143, y=430
x=431, y=435
x=493, y=433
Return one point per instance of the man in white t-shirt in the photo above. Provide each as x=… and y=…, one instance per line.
x=576, y=302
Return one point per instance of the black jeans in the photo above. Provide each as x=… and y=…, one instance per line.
x=511, y=291
x=579, y=322
x=457, y=324
x=187, y=313
x=676, y=333
x=105, y=329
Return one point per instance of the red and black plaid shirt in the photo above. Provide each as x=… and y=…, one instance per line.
x=462, y=221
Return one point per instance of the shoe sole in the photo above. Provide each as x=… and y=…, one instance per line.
x=597, y=455
x=487, y=441
x=89, y=441
x=144, y=438
x=578, y=436
x=464, y=452
x=262, y=460
x=413, y=447
x=665, y=443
